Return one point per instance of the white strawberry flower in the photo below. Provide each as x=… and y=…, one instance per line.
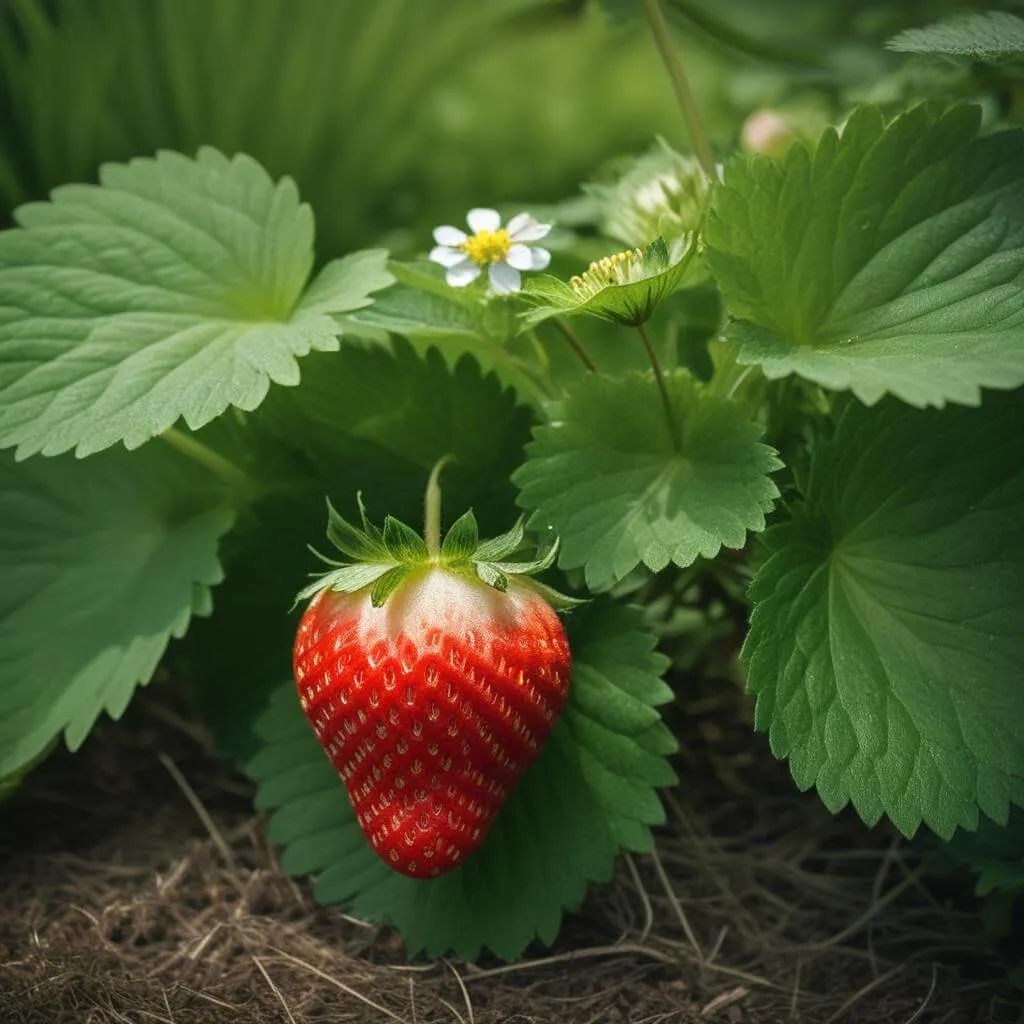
x=503, y=250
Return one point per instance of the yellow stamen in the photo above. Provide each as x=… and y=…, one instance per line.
x=618, y=268
x=487, y=246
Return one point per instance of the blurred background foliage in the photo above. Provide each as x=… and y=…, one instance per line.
x=394, y=115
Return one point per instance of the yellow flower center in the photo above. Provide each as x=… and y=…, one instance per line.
x=487, y=246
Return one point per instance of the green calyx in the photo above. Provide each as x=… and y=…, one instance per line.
x=663, y=193
x=382, y=559
x=625, y=288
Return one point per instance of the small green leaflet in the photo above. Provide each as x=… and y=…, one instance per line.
x=102, y=563
x=591, y=794
x=607, y=478
x=885, y=645
x=995, y=853
x=992, y=36
x=173, y=289
x=889, y=261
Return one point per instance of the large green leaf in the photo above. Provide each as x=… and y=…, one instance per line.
x=886, y=645
x=889, y=260
x=102, y=563
x=173, y=289
x=377, y=419
x=620, y=490
x=590, y=794
x=991, y=36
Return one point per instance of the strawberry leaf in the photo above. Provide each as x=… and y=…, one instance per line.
x=620, y=490
x=990, y=36
x=855, y=277
x=174, y=289
x=589, y=795
x=102, y=563
x=885, y=644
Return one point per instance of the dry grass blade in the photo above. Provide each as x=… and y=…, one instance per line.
x=201, y=812
x=684, y=921
x=621, y=949
x=338, y=984
x=274, y=989
x=465, y=993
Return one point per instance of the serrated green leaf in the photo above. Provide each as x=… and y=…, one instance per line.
x=992, y=36
x=409, y=311
x=345, y=285
x=462, y=538
x=171, y=290
x=102, y=563
x=589, y=793
x=403, y=542
x=889, y=261
x=618, y=492
x=885, y=645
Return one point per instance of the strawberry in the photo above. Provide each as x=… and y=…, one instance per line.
x=432, y=675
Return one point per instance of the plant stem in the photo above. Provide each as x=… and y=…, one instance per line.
x=670, y=416
x=432, y=508
x=684, y=94
x=575, y=344
x=222, y=468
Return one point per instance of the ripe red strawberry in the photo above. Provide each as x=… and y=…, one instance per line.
x=432, y=676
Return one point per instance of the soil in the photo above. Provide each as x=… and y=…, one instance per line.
x=136, y=886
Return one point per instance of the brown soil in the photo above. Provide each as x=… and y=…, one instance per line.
x=136, y=886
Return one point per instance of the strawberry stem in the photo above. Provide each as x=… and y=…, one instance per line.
x=432, y=508
x=659, y=377
x=224, y=469
x=680, y=84
x=574, y=343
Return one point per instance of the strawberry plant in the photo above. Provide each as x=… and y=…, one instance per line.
x=787, y=357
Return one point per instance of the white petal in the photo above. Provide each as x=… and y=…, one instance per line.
x=447, y=235
x=539, y=258
x=446, y=255
x=519, y=257
x=482, y=219
x=504, y=279
x=523, y=228
x=518, y=222
x=462, y=274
